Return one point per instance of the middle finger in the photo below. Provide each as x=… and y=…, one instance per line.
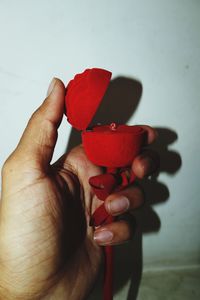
x=126, y=200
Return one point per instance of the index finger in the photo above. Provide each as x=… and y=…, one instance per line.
x=147, y=161
x=152, y=134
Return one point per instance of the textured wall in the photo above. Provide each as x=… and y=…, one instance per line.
x=154, y=49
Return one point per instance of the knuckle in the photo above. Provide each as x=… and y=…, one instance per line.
x=124, y=232
x=39, y=112
x=136, y=196
x=130, y=232
x=139, y=193
x=35, y=115
x=7, y=166
x=127, y=231
x=129, y=224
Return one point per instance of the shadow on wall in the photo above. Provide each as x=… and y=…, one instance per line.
x=119, y=103
x=129, y=258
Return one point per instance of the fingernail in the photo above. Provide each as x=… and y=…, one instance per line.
x=103, y=236
x=118, y=205
x=51, y=86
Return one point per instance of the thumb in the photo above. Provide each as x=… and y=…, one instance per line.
x=37, y=143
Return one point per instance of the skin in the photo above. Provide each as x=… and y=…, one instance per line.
x=47, y=248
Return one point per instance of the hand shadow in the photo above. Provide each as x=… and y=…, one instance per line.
x=119, y=103
x=129, y=260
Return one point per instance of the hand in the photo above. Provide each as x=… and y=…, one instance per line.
x=47, y=249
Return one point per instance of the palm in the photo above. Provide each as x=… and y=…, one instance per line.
x=73, y=203
x=53, y=243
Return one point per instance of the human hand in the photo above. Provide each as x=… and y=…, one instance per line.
x=47, y=248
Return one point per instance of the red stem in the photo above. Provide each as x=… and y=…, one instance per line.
x=108, y=277
x=101, y=217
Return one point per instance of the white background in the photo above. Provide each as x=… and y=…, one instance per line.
x=156, y=42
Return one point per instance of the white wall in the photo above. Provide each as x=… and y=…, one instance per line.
x=156, y=42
